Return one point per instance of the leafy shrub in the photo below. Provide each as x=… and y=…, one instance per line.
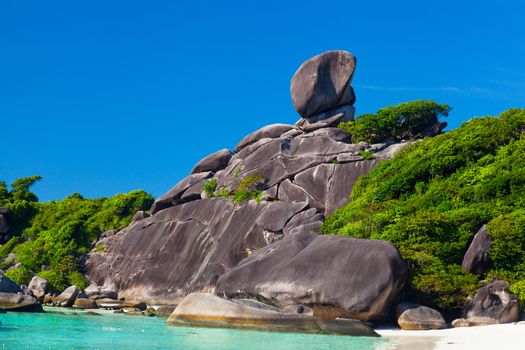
x=403, y=121
x=433, y=196
x=249, y=188
x=210, y=186
x=21, y=275
x=366, y=154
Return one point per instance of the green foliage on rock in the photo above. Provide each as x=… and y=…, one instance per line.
x=432, y=197
x=58, y=233
x=403, y=121
x=249, y=188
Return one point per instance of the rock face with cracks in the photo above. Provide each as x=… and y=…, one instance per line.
x=335, y=276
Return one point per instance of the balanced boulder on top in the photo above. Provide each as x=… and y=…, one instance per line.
x=323, y=83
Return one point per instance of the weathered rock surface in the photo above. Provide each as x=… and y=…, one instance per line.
x=327, y=119
x=85, y=303
x=417, y=317
x=38, y=287
x=492, y=304
x=323, y=82
x=268, y=132
x=8, y=286
x=67, y=297
x=476, y=257
x=108, y=303
x=12, y=298
x=335, y=276
x=208, y=310
x=214, y=162
x=183, y=249
x=173, y=196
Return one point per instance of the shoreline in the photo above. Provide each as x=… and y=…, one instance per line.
x=508, y=336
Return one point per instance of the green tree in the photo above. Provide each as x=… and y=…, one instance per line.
x=403, y=121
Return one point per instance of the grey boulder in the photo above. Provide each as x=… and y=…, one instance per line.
x=492, y=304
x=214, y=162
x=8, y=286
x=476, y=257
x=38, y=286
x=417, y=317
x=268, y=132
x=335, y=276
x=323, y=82
x=173, y=196
x=208, y=310
x=67, y=297
x=327, y=119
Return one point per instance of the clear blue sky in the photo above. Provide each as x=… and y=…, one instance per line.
x=101, y=97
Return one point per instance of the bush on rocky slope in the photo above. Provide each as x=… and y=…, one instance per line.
x=400, y=122
x=54, y=235
x=431, y=198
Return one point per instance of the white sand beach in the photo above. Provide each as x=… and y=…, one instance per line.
x=501, y=336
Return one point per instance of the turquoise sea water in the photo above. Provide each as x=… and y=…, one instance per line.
x=80, y=331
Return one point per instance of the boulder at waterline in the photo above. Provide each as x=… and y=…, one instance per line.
x=12, y=297
x=492, y=304
x=323, y=82
x=67, y=297
x=107, y=303
x=335, y=276
x=476, y=257
x=418, y=317
x=208, y=310
x=85, y=303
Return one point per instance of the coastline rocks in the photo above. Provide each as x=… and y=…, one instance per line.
x=417, y=317
x=38, y=287
x=107, y=303
x=8, y=286
x=335, y=276
x=12, y=298
x=492, y=304
x=85, y=303
x=214, y=162
x=67, y=297
x=476, y=257
x=208, y=310
x=323, y=82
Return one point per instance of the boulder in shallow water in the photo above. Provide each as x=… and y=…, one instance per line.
x=418, y=317
x=208, y=310
x=18, y=302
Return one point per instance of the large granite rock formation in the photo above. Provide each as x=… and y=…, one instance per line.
x=303, y=173
x=323, y=83
x=335, y=276
x=208, y=310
